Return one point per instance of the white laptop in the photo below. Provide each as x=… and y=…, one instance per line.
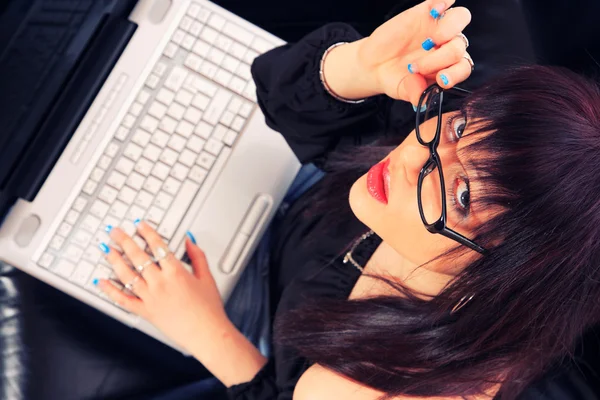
x=114, y=110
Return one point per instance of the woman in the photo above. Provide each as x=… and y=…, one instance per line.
x=467, y=288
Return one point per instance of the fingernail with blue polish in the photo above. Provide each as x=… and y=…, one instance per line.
x=444, y=79
x=191, y=236
x=95, y=282
x=412, y=68
x=423, y=107
x=136, y=222
x=108, y=228
x=434, y=13
x=428, y=44
x=105, y=249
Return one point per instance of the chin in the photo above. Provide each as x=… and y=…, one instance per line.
x=361, y=202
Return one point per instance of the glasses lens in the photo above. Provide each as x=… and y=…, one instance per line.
x=429, y=109
x=431, y=195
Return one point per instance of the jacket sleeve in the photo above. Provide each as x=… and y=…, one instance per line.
x=296, y=104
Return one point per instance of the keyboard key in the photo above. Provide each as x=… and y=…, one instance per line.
x=168, y=156
x=178, y=36
x=168, y=124
x=152, y=184
x=171, y=186
x=157, y=110
x=144, y=199
x=143, y=96
x=108, y=194
x=203, y=15
x=152, y=152
x=161, y=171
x=64, y=268
x=163, y=200
x=237, y=50
x=215, y=56
x=177, y=143
x=155, y=215
x=92, y=254
x=81, y=238
x=223, y=77
x=118, y=209
x=238, y=124
x=205, y=86
x=186, y=23
x=201, y=48
x=178, y=209
x=193, y=115
x=200, y=101
x=116, y=180
x=134, y=213
x=227, y=118
x=97, y=174
x=112, y=149
x=89, y=187
x=165, y=96
x=152, y=81
x=203, y=130
x=149, y=123
x=57, y=242
x=133, y=151
x=230, y=64
x=128, y=121
x=244, y=71
x=208, y=69
x=176, y=111
x=195, y=144
x=213, y=146
x=160, y=138
x=144, y=166
x=237, y=85
x=170, y=50
x=82, y=273
x=198, y=174
x=79, y=204
x=193, y=62
x=261, y=45
x=160, y=68
x=185, y=129
x=90, y=223
x=250, y=91
x=219, y=132
x=184, y=98
x=216, y=21
x=250, y=56
x=246, y=109
x=64, y=229
x=135, y=110
x=209, y=35
x=237, y=33
x=176, y=78
x=195, y=29
x=46, y=260
x=205, y=160
x=187, y=157
x=127, y=195
x=111, y=220
x=216, y=107
x=99, y=209
x=124, y=166
x=104, y=162
x=72, y=217
x=193, y=10
x=223, y=42
x=73, y=253
x=229, y=138
x=188, y=42
x=136, y=181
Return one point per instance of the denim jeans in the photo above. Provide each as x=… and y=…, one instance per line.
x=248, y=305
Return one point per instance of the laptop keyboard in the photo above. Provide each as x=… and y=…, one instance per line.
x=168, y=149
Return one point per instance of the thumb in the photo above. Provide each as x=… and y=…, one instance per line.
x=411, y=88
x=198, y=259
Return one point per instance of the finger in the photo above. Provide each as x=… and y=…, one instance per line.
x=454, y=22
x=155, y=241
x=413, y=86
x=135, y=254
x=198, y=258
x=124, y=272
x=455, y=74
x=447, y=55
x=129, y=303
x=437, y=8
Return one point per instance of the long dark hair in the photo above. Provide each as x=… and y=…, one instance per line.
x=537, y=149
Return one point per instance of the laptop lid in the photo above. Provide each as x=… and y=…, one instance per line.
x=54, y=57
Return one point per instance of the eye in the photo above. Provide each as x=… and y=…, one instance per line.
x=463, y=195
x=457, y=124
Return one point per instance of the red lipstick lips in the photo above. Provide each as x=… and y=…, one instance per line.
x=378, y=181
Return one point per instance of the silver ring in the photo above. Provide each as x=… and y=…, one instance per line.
x=140, y=268
x=129, y=286
x=470, y=61
x=464, y=38
x=162, y=253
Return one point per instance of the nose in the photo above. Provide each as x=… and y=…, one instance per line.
x=414, y=156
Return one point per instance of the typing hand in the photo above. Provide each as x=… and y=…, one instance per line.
x=418, y=36
x=186, y=307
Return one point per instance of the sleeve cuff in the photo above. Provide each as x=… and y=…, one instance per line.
x=262, y=382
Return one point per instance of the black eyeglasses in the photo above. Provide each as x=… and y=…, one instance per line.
x=433, y=213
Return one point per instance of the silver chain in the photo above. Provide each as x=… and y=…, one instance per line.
x=348, y=256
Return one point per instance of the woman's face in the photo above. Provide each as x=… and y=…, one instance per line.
x=385, y=199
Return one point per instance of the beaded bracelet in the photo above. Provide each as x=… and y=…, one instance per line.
x=324, y=82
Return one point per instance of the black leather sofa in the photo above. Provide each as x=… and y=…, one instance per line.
x=54, y=347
